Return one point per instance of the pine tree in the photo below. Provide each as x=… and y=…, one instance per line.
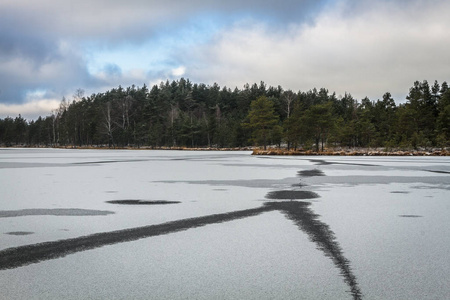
x=261, y=119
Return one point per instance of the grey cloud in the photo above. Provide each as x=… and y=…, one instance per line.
x=21, y=74
x=360, y=58
x=86, y=18
x=15, y=43
x=31, y=33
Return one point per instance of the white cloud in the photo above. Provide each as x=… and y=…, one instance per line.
x=377, y=49
x=29, y=110
x=362, y=47
x=178, y=72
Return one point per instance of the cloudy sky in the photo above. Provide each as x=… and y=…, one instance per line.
x=51, y=48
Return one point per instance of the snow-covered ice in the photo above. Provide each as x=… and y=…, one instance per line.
x=387, y=218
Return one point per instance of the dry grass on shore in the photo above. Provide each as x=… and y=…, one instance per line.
x=353, y=152
x=275, y=151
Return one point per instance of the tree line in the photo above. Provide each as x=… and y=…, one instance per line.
x=185, y=114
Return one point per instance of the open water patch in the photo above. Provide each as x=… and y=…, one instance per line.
x=53, y=212
x=291, y=195
x=19, y=233
x=142, y=202
x=311, y=173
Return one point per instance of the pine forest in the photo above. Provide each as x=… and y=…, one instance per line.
x=182, y=114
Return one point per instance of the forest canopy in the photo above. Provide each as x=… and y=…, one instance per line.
x=185, y=114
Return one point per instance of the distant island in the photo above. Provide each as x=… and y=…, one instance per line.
x=185, y=115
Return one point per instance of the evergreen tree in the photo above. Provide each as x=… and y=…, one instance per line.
x=198, y=115
x=319, y=121
x=261, y=120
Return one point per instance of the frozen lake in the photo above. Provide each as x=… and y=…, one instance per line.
x=107, y=224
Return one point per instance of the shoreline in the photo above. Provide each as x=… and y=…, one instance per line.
x=269, y=151
x=352, y=152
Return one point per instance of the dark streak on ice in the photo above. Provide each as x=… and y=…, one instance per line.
x=321, y=234
x=311, y=173
x=24, y=255
x=299, y=185
x=19, y=233
x=410, y=216
x=291, y=195
x=142, y=202
x=320, y=162
x=53, y=212
x=324, y=163
x=299, y=212
x=438, y=171
x=108, y=161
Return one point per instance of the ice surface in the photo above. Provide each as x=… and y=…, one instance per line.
x=389, y=217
